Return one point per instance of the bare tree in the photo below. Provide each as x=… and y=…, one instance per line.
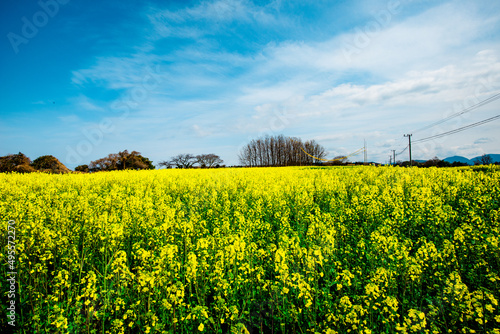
x=281, y=151
x=486, y=159
x=316, y=150
x=183, y=160
x=432, y=162
x=166, y=164
x=245, y=156
x=208, y=160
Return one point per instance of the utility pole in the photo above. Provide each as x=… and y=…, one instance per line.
x=394, y=156
x=409, y=146
x=390, y=159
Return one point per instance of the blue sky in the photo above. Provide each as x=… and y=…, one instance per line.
x=82, y=79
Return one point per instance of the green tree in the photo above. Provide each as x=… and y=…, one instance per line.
x=82, y=168
x=49, y=163
x=120, y=161
x=16, y=163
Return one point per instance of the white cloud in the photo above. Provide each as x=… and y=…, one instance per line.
x=431, y=39
x=207, y=18
x=414, y=71
x=483, y=140
x=117, y=72
x=84, y=103
x=69, y=119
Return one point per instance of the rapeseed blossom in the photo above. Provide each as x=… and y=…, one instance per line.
x=299, y=249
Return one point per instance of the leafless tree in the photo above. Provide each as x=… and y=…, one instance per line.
x=166, y=164
x=185, y=160
x=316, y=150
x=208, y=160
x=486, y=159
x=281, y=151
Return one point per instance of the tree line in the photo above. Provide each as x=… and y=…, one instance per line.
x=485, y=159
x=134, y=160
x=20, y=163
x=281, y=151
x=118, y=161
x=187, y=160
x=266, y=151
x=123, y=160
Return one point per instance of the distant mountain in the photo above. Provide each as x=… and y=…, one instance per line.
x=494, y=157
x=460, y=159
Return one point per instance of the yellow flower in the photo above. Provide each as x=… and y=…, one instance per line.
x=201, y=327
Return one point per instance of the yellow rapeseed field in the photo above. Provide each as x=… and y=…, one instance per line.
x=283, y=250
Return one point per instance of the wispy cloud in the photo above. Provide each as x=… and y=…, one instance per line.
x=84, y=103
x=483, y=140
x=69, y=119
x=229, y=70
x=209, y=18
x=116, y=72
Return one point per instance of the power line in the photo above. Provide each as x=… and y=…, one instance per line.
x=400, y=143
x=458, y=130
x=335, y=159
x=366, y=153
x=403, y=151
x=466, y=110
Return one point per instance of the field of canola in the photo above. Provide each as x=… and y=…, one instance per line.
x=262, y=250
